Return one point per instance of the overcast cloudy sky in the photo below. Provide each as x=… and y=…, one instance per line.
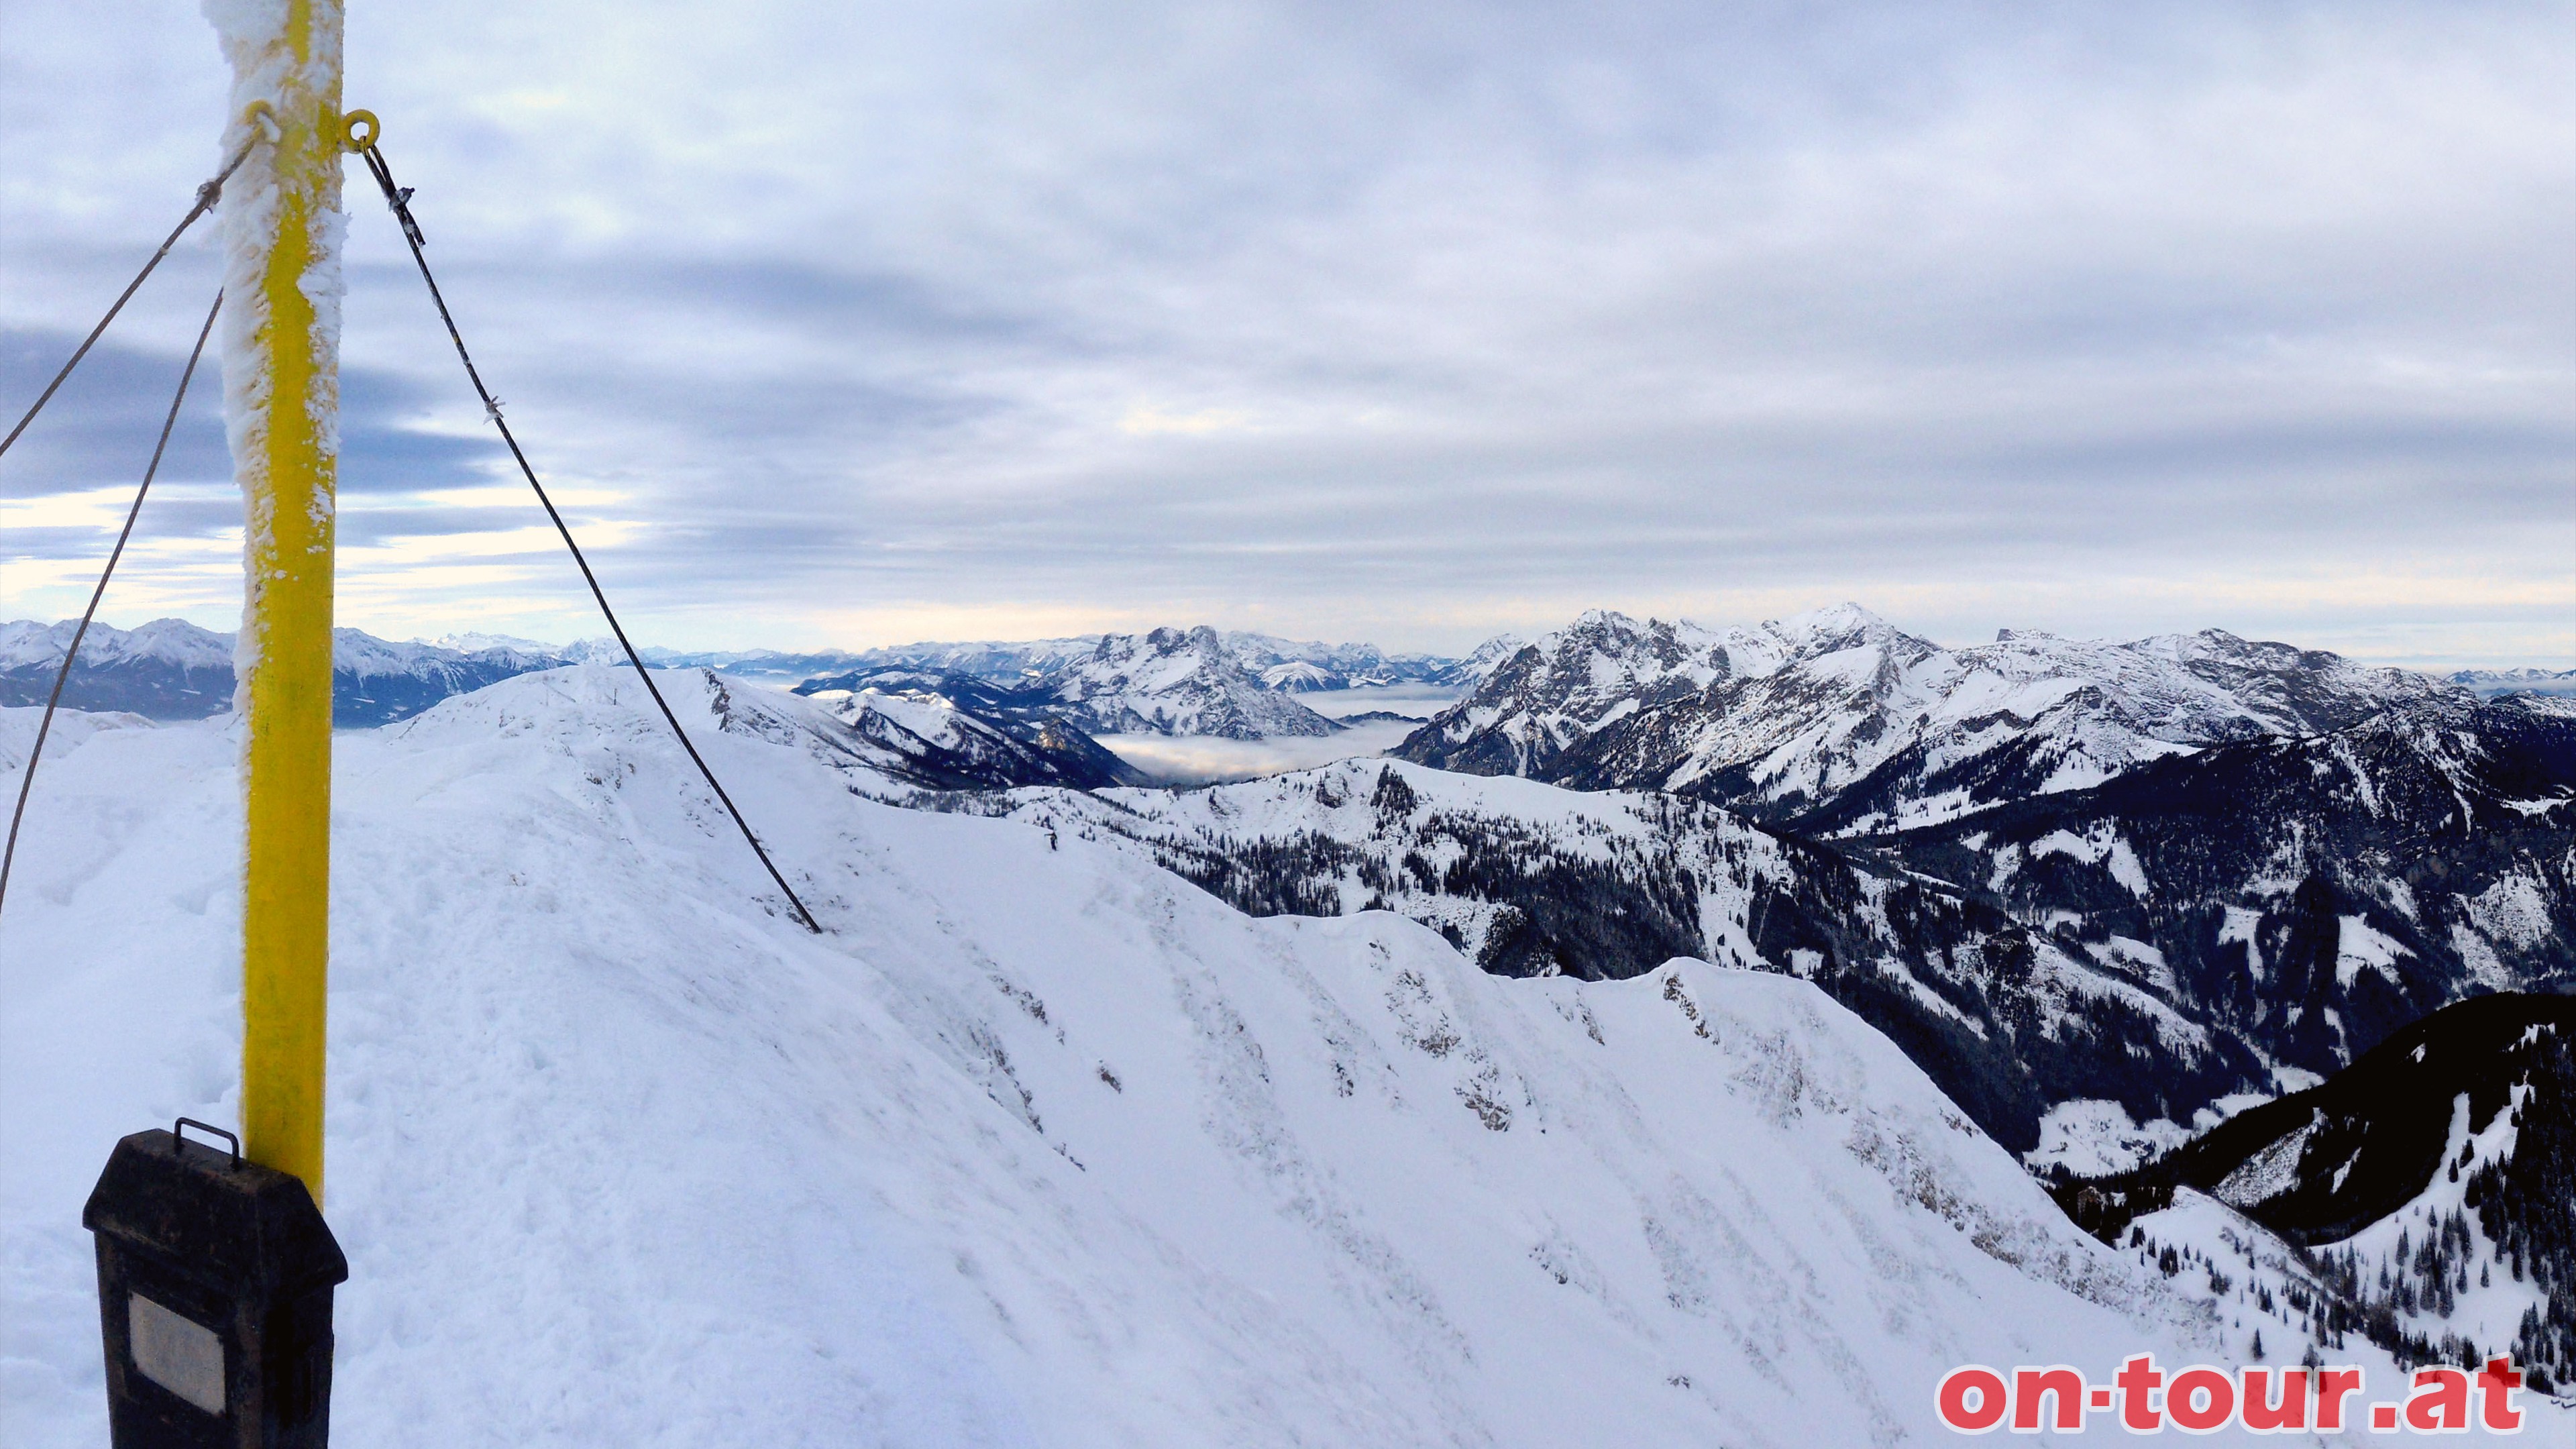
x=853, y=323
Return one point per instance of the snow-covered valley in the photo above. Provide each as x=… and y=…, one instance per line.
x=1039, y=1144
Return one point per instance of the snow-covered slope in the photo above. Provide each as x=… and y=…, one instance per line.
x=926, y=740
x=1842, y=722
x=1534, y=880
x=1300, y=676
x=1040, y=1145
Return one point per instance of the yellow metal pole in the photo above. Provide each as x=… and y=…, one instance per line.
x=282, y=226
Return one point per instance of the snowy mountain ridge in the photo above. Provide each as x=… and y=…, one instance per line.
x=170, y=669
x=913, y=1182
x=1838, y=720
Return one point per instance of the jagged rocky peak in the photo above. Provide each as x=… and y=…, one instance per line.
x=1169, y=681
x=1534, y=711
x=1158, y=657
x=1631, y=648
x=1602, y=648
x=1492, y=652
x=1836, y=628
x=1838, y=720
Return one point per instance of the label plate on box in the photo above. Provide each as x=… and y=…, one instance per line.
x=185, y=1357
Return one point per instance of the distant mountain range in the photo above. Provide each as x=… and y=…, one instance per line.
x=1171, y=681
x=170, y=670
x=1838, y=722
x=1286, y=665
x=2494, y=682
x=1834, y=719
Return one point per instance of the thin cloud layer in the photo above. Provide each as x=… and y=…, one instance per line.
x=846, y=324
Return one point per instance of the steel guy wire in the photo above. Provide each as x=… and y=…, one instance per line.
x=207, y=196
x=44, y=727
x=398, y=199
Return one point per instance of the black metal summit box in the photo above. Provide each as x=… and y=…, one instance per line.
x=214, y=1297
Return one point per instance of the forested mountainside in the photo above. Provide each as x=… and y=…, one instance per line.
x=2426, y=1186
x=1838, y=720
x=2162, y=941
x=2314, y=894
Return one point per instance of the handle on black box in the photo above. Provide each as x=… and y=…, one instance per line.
x=207, y=1127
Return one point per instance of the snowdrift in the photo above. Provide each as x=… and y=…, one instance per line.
x=1040, y=1145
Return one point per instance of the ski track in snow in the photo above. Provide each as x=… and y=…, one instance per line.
x=1041, y=1145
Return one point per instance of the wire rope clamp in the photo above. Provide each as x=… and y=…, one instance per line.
x=214, y=1297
